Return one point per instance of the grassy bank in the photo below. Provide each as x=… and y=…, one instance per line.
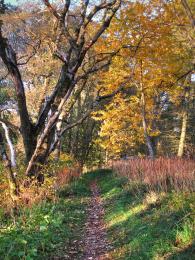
x=48, y=229
x=147, y=225
x=141, y=224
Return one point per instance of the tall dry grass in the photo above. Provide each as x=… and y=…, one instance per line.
x=158, y=174
x=67, y=174
x=48, y=190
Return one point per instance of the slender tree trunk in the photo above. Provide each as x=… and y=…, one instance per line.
x=144, y=122
x=147, y=137
x=75, y=139
x=183, y=135
x=13, y=183
x=87, y=139
x=148, y=142
x=184, y=121
x=10, y=144
x=57, y=150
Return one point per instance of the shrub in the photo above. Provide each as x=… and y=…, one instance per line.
x=56, y=175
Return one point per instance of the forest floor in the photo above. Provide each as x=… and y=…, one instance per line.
x=96, y=246
x=102, y=216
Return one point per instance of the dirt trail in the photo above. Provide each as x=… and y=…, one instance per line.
x=96, y=246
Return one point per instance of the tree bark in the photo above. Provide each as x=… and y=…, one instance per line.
x=11, y=146
x=183, y=134
x=13, y=183
x=57, y=150
x=145, y=128
x=181, y=146
x=144, y=122
x=9, y=58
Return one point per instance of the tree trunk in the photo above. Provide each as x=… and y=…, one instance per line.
x=184, y=121
x=57, y=150
x=143, y=112
x=145, y=128
x=183, y=134
x=9, y=58
x=11, y=146
x=13, y=184
x=148, y=138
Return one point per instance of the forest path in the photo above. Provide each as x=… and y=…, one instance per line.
x=96, y=245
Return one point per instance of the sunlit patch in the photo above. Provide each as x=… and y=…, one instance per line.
x=153, y=197
x=112, y=193
x=126, y=215
x=185, y=235
x=120, y=252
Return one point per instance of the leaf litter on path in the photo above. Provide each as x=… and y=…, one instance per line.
x=96, y=246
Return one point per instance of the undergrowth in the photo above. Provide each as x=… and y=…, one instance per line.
x=47, y=229
x=141, y=223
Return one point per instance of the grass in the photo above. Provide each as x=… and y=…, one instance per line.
x=159, y=174
x=47, y=229
x=147, y=225
x=141, y=224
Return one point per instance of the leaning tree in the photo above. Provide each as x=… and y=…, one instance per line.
x=77, y=28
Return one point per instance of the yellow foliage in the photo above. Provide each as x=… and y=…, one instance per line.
x=151, y=62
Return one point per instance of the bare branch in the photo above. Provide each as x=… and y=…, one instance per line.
x=10, y=125
x=66, y=8
x=68, y=127
x=110, y=12
x=51, y=9
x=189, y=12
x=96, y=9
x=35, y=49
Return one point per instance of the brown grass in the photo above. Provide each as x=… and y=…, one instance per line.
x=158, y=174
x=65, y=175
x=48, y=190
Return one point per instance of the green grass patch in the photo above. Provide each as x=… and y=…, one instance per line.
x=47, y=229
x=147, y=225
